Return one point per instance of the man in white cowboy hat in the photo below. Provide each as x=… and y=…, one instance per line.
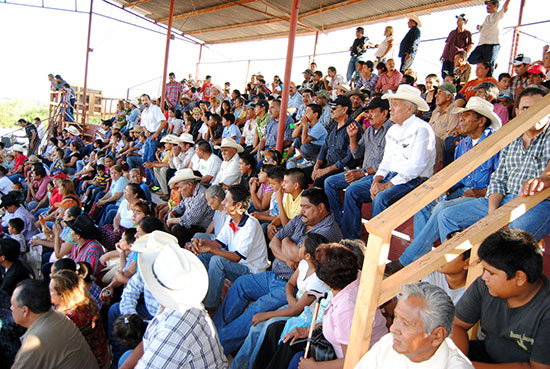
x=229, y=172
x=239, y=248
x=133, y=117
x=477, y=122
x=192, y=215
x=409, y=155
x=523, y=170
x=181, y=335
x=185, y=152
x=409, y=44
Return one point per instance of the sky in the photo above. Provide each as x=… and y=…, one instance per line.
x=129, y=60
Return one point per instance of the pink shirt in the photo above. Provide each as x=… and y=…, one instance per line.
x=389, y=83
x=502, y=113
x=339, y=316
x=41, y=187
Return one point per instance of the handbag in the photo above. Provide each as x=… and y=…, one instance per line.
x=320, y=348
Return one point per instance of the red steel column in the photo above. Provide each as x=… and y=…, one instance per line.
x=85, y=87
x=288, y=70
x=515, y=38
x=168, y=36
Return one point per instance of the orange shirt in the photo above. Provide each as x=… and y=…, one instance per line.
x=469, y=88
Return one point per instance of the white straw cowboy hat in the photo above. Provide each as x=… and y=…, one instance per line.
x=483, y=107
x=153, y=242
x=186, y=138
x=172, y=139
x=410, y=94
x=176, y=277
x=343, y=87
x=18, y=148
x=416, y=20
x=183, y=175
x=135, y=102
x=218, y=87
x=73, y=130
x=229, y=142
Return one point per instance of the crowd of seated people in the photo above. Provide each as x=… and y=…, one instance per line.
x=181, y=236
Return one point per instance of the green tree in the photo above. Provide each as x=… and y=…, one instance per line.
x=13, y=110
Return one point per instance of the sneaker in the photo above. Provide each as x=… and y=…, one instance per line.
x=393, y=267
x=305, y=163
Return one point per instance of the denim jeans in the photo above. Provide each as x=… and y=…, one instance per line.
x=387, y=197
x=16, y=178
x=422, y=217
x=429, y=233
x=352, y=67
x=134, y=161
x=249, y=350
x=232, y=320
x=357, y=193
x=219, y=268
x=535, y=221
x=109, y=214
x=485, y=52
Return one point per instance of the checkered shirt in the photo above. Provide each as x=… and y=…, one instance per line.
x=173, y=92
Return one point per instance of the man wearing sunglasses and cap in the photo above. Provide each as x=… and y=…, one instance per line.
x=489, y=34
x=459, y=39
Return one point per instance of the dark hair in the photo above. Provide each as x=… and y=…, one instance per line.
x=316, y=109
x=216, y=118
x=99, y=143
x=100, y=168
x=248, y=159
x=511, y=250
x=35, y=295
x=117, y=135
x=171, y=74
x=150, y=224
x=74, y=211
x=129, y=329
x=316, y=196
x=39, y=169
x=332, y=69
x=64, y=264
x=240, y=194
x=335, y=265
x=312, y=241
x=107, y=122
x=53, y=140
x=276, y=172
x=85, y=271
x=357, y=247
x=360, y=29
x=229, y=117
x=530, y=91
x=487, y=66
x=382, y=67
x=298, y=175
x=9, y=248
x=276, y=154
x=130, y=235
x=308, y=91
x=466, y=254
x=17, y=223
x=504, y=75
x=144, y=206
x=408, y=80
x=204, y=146
x=137, y=190
x=319, y=73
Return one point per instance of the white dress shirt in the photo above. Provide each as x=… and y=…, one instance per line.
x=410, y=151
x=151, y=118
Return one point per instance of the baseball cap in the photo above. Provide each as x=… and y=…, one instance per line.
x=491, y=1
x=463, y=16
x=378, y=103
x=449, y=87
x=263, y=103
x=537, y=69
x=521, y=59
x=308, y=71
x=342, y=100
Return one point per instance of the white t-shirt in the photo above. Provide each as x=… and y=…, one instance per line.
x=438, y=279
x=5, y=185
x=489, y=34
x=247, y=240
x=151, y=118
x=176, y=125
x=248, y=132
x=382, y=356
x=312, y=282
x=383, y=47
x=211, y=166
x=125, y=214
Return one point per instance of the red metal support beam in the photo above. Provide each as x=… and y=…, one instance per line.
x=515, y=38
x=288, y=70
x=85, y=87
x=166, y=52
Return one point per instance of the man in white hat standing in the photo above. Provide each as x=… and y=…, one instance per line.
x=182, y=334
x=192, y=215
x=477, y=122
x=409, y=44
x=409, y=155
x=229, y=172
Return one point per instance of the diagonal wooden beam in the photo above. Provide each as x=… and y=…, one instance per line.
x=134, y=3
x=206, y=10
x=233, y=26
x=256, y=37
x=323, y=9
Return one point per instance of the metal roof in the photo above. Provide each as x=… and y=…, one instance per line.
x=222, y=21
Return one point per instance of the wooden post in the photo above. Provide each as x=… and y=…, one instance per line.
x=315, y=46
x=247, y=73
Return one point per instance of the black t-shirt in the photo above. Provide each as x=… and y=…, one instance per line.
x=217, y=131
x=357, y=47
x=520, y=334
x=16, y=273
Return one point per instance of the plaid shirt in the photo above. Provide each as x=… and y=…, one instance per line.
x=131, y=294
x=517, y=164
x=369, y=84
x=515, y=83
x=173, y=92
x=195, y=209
x=187, y=339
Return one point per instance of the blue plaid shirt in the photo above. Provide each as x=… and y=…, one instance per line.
x=131, y=294
x=336, y=148
x=271, y=131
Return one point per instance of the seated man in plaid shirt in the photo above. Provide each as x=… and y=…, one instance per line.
x=522, y=164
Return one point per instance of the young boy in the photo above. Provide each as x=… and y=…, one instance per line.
x=289, y=199
x=451, y=277
x=127, y=265
x=15, y=227
x=99, y=182
x=230, y=130
x=511, y=300
x=215, y=130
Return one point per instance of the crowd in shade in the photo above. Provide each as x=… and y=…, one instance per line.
x=189, y=235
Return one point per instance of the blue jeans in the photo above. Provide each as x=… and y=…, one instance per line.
x=134, y=161
x=357, y=193
x=387, y=197
x=232, y=320
x=150, y=149
x=352, y=67
x=109, y=214
x=114, y=313
x=219, y=268
x=535, y=221
x=429, y=233
x=249, y=350
x=16, y=178
x=486, y=52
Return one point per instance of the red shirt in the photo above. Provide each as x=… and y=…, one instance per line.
x=469, y=88
x=56, y=197
x=19, y=161
x=206, y=91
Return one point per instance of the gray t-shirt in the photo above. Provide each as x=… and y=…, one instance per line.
x=519, y=334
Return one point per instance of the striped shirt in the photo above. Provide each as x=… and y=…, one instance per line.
x=518, y=164
x=186, y=339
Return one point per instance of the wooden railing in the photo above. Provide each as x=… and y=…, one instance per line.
x=374, y=290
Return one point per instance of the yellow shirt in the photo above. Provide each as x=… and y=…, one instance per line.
x=292, y=207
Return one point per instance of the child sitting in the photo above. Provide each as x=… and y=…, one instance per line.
x=15, y=227
x=275, y=175
x=99, y=182
x=230, y=130
x=123, y=262
x=261, y=196
x=129, y=329
x=9, y=163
